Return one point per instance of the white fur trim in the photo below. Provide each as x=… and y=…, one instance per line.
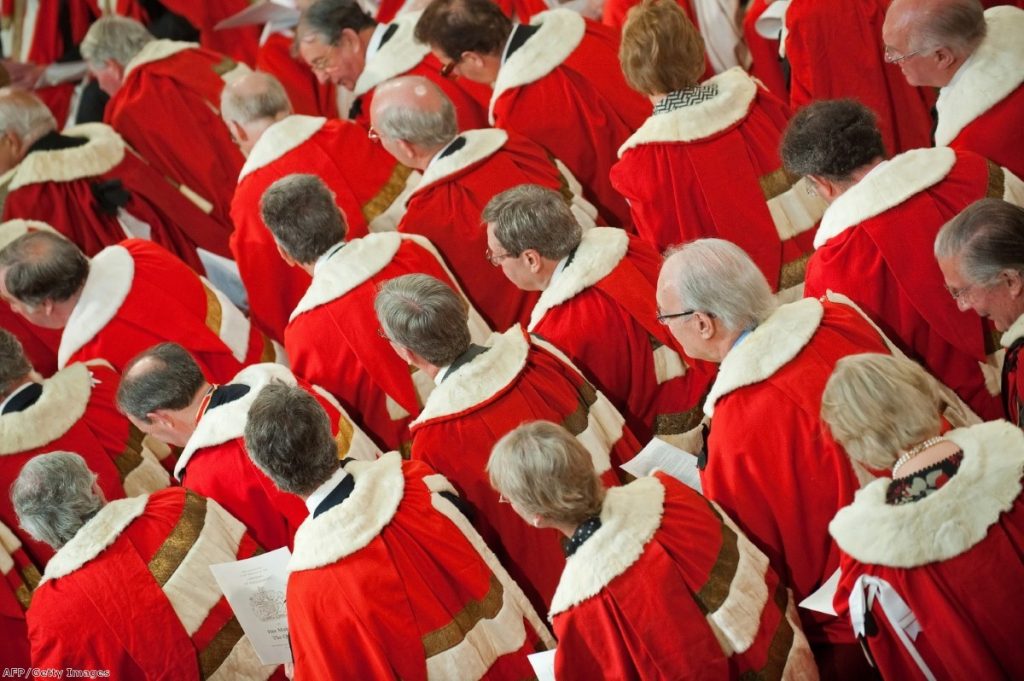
x=736, y=93
x=148, y=477
x=103, y=151
x=399, y=55
x=600, y=251
x=13, y=229
x=227, y=422
x=350, y=526
x=796, y=211
x=61, y=405
x=240, y=69
x=768, y=348
x=629, y=518
x=8, y=545
x=604, y=429
x=387, y=221
x=360, y=446
x=234, y=326
x=950, y=521
x=994, y=71
x=1013, y=188
x=96, y=535
x=243, y=663
x=480, y=144
x=396, y=412
x=668, y=364
x=282, y=137
x=800, y=664
x=1013, y=333
x=884, y=188
x=584, y=211
x=157, y=50
x=561, y=32
x=111, y=273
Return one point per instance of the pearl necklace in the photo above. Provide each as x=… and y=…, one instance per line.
x=915, y=450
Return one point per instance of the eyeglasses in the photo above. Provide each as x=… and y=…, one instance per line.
x=959, y=293
x=495, y=259
x=891, y=57
x=664, y=318
x=373, y=134
x=323, y=62
x=446, y=69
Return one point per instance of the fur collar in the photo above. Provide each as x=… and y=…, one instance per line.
x=1013, y=333
x=279, y=139
x=736, y=93
x=397, y=56
x=111, y=273
x=884, y=188
x=561, y=32
x=227, y=422
x=949, y=522
x=102, y=153
x=350, y=526
x=62, y=403
x=481, y=378
x=995, y=70
x=768, y=348
x=629, y=518
x=157, y=50
x=599, y=252
x=96, y=535
x=480, y=144
x=12, y=229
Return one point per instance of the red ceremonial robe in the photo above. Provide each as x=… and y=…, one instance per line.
x=368, y=185
x=18, y=576
x=137, y=295
x=954, y=560
x=76, y=412
x=835, y=50
x=128, y=594
x=983, y=108
x=601, y=312
x=513, y=382
x=170, y=87
x=666, y=566
x=564, y=89
x=764, y=52
x=308, y=96
x=712, y=169
x=446, y=206
x=358, y=366
x=393, y=582
x=875, y=246
x=40, y=344
x=1012, y=383
x=402, y=55
x=772, y=465
x=57, y=186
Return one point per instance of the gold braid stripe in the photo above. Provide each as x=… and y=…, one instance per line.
x=996, y=181
x=451, y=634
x=213, y=655
x=678, y=422
x=269, y=354
x=31, y=575
x=214, y=313
x=776, y=182
x=714, y=592
x=782, y=642
x=387, y=194
x=225, y=65
x=793, y=272
x=24, y=596
x=185, y=533
x=577, y=421
x=131, y=458
x=346, y=433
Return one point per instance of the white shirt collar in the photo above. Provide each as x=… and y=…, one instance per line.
x=960, y=71
x=320, y=493
x=326, y=256
x=558, y=270
x=14, y=393
x=375, y=40
x=441, y=373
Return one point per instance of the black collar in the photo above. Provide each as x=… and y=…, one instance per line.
x=25, y=398
x=464, y=359
x=520, y=34
x=54, y=141
x=223, y=394
x=584, y=532
x=338, y=495
x=454, y=146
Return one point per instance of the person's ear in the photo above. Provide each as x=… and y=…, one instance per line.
x=289, y=260
x=705, y=325
x=945, y=58
x=533, y=260
x=1014, y=283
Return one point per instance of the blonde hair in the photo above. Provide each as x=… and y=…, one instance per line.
x=661, y=50
x=544, y=470
x=876, y=405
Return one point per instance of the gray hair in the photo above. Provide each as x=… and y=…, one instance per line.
x=288, y=436
x=533, y=217
x=326, y=19
x=876, y=405
x=114, y=38
x=545, y=471
x=54, y=496
x=26, y=116
x=987, y=238
x=424, y=315
x=14, y=365
x=43, y=266
x=260, y=97
x=169, y=378
x=420, y=126
x=831, y=139
x=302, y=214
x=956, y=24
x=718, y=277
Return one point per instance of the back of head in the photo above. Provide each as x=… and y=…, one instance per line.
x=301, y=212
x=661, y=50
x=326, y=19
x=958, y=25
x=54, y=496
x=424, y=315
x=288, y=435
x=545, y=471
x=14, y=365
x=533, y=217
x=43, y=266
x=414, y=109
x=831, y=139
x=457, y=26
x=876, y=405
x=25, y=115
x=718, y=277
x=165, y=376
x=114, y=38
x=987, y=238
x=254, y=97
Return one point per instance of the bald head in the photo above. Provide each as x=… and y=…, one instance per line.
x=935, y=36
x=251, y=104
x=414, y=110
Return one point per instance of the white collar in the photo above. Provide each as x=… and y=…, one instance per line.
x=103, y=151
x=1015, y=331
x=327, y=255
x=440, y=153
x=14, y=393
x=441, y=373
x=111, y=273
x=558, y=270
x=314, y=500
x=375, y=40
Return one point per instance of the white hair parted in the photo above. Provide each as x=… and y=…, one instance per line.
x=24, y=115
x=54, y=496
x=114, y=38
x=417, y=125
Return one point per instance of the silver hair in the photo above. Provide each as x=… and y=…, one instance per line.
x=420, y=126
x=114, y=38
x=25, y=116
x=423, y=314
x=303, y=215
x=958, y=25
x=987, y=238
x=718, y=277
x=54, y=496
x=14, y=365
x=533, y=217
x=267, y=100
x=326, y=19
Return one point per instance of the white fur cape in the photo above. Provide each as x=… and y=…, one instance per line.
x=13, y=229
x=1013, y=333
x=157, y=50
x=400, y=54
x=480, y=144
x=96, y=535
x=61, y=405
x=102, y=153
x=111, y=273
x=280, y=138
